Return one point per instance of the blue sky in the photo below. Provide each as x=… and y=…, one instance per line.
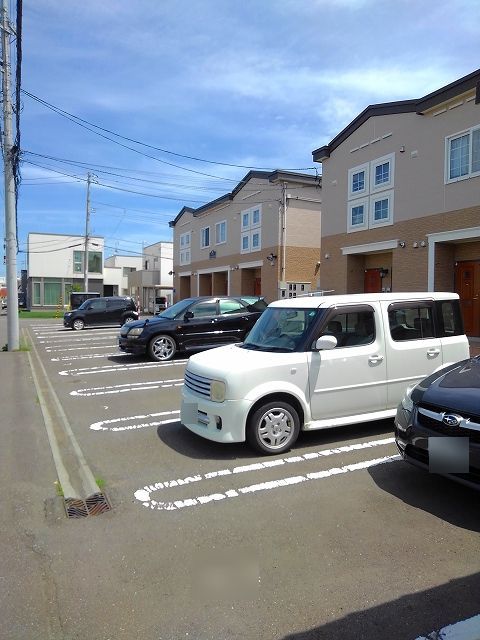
x=253, y=83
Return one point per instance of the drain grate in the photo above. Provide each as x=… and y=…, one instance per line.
x=94, y=505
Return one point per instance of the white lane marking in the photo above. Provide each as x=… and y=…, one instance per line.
x=90, y=346
x=79, y=340
x=64, y=331
x=143, y=495
x=468, y=629
x=130, y=386
x=91, y=355
x=87, y=371
x=100, y=426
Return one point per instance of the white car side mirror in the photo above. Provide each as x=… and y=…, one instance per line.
x=324, y=343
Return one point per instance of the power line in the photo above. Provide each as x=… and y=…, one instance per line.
x=71, y=116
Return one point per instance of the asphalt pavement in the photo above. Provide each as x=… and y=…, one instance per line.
x=367, y=554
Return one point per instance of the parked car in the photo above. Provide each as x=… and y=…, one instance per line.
x=192, y=324
x=319, y=362
x=437, y=426
x=114, y=310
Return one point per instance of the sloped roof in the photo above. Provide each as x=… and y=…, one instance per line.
x=272, y=176
x=418, y=105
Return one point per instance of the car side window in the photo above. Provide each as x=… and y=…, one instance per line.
x=411, y=321
x=352, y=328
x=117, y=304
x=204, y=309
x=449, y=318
x=230, y=306
x=97, y=305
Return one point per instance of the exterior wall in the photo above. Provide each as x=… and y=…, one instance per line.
x=120, y=280
x=154, y=278
x=51, y=270
x=436, y=221
x=418, y=145
x=224, y=267
x=409, y=265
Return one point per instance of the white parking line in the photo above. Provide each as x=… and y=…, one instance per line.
x=125, y=388
x=77, y=340
x=468, y=629
x=106, y=346
x=91, y=355
x=99, y=426
x=143, y=495
x=87, y=371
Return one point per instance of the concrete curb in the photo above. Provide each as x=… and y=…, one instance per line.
x=74, y=474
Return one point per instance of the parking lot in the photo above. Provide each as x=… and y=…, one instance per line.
x=336, y=539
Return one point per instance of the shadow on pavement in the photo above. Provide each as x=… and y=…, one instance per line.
x=406, y=618
x=443, y=498
x=183, y=441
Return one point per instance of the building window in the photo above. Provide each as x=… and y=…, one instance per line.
x=78, y=261
x=256, y=241
x=36, y=293
x=358, y=215
x=382, y=172
x=127, y=270
x=372, y=210
x=381, y=209
x=52, y=293
x=185, y=241
x=95, y=262
x=221, y=232
x=251, y=232
x=205, y=238
x=463, y=155
x=358, y=181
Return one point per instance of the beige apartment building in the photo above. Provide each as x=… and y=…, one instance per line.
x=401, y=198
x=263, y=238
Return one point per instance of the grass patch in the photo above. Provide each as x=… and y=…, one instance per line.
x=58, y=489
x=100, y=482
x=40, y=314
x=24, y=345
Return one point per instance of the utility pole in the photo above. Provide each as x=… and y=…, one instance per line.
x=87, y=231
x=10, y=200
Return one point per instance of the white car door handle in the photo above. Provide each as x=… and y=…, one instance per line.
x=375, y=359
x=433, y=352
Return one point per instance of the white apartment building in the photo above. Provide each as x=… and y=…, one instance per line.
x=116, y=270
x=55, y=263
x=155, y=279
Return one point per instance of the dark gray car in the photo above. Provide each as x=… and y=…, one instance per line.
x=111, y=310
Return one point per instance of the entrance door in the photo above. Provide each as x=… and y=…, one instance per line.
x=372, y=282
x=467, y=285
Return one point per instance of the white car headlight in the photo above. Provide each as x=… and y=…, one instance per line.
x=217, y=390
x=135, y=332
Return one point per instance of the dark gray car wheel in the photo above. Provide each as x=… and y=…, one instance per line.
x=78, y=324
x=162, y=348
x=129, y=319
x=273, y=427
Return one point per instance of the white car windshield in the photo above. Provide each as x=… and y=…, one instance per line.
x=280, y=329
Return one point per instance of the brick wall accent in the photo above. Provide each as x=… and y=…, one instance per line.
x=409, y=265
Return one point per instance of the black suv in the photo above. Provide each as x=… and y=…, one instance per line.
x=191, y=325
x=95, y=311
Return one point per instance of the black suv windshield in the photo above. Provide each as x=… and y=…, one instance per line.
x=280, y=329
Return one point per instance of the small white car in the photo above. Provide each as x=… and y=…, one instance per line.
x=319, y=362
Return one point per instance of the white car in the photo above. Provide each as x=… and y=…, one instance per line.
x=318, y=362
